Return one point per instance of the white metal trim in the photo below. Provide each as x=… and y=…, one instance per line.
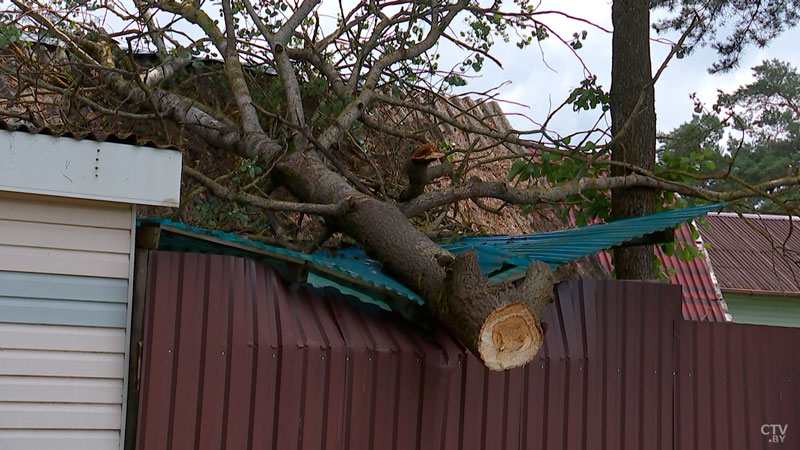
x=755, y=216
x=67, y=167
x=127, y=362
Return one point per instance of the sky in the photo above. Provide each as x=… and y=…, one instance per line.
x=541, y=79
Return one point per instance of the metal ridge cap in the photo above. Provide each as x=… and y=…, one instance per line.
x=755, y=216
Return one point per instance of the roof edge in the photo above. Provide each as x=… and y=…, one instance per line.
x=755, y=216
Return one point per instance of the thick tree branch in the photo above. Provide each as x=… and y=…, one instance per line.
x=476, y=188
x=232, y=194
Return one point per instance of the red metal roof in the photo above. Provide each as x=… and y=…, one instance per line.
x=701, y=300
x=755, y=253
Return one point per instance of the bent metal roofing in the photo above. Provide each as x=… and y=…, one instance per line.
x=351, y=271
x=700, y=297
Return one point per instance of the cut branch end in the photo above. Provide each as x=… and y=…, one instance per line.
x=509, y=337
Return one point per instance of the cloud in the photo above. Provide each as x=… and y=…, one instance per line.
x=541, y=78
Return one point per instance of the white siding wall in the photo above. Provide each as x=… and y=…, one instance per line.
x=64, y=268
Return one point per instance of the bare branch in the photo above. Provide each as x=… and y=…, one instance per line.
x=476, y=188
x=264, y=203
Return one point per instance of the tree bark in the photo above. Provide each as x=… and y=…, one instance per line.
x=633, y=125
x=498, y=321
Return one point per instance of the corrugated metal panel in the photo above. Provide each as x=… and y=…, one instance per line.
x=700, y=298
x=88, y=169
x=733, y=379
x=235, y=358
x=10, y=124
x=754, y=260
x=558, y=247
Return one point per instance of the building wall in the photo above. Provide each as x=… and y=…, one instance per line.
x=64, y=278
x=764, y=309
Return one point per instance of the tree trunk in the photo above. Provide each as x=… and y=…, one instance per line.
x=633, y=125
x=498, y=321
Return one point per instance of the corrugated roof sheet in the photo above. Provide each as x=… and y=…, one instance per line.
x=701, y=300
x=759, y=254
x=117, y=138
x=500, y=257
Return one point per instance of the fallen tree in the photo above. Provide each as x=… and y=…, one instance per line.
x=330, y=80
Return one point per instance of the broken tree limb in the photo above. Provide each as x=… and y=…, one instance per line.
x=499, y=322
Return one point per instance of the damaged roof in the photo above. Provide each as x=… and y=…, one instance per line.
x=351, y=271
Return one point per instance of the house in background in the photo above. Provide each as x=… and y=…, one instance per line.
x=756, y=260
x=67, y=225
x=701, y=296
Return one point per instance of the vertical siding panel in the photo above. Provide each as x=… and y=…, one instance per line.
x=613, y=354
x=670, y=311
x=214, y=357
x=514, y=406
x=702, y=375
x=190, y=340
x=408, y=404
x=265, y=395
x=457, y=357
x=160, y=353
x=557, y=393
x=633, y=302
x=241, y=359
x=719, y=379
x=737, y=389
x=385, y=399
x=586, y=293
x=333, y=432
x=494, y=419
x=473, y=413
x=315, y=389
x=650, y=352
x=291, y=373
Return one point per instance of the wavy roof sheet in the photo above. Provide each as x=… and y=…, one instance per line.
x=755, y=253
x=500, y=257
x=700, y=299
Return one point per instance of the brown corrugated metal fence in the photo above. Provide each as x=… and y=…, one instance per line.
x=235, y=358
